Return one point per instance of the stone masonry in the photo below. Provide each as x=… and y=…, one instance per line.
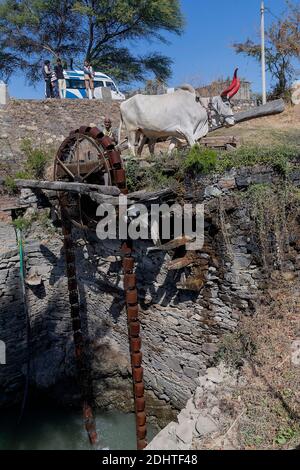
x=184, y=312
x=46, y=123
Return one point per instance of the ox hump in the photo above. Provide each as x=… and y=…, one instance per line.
x=186, y=87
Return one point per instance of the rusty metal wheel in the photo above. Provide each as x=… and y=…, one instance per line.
x=87, y=156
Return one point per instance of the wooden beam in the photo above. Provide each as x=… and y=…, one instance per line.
x=269, y=109
x=80, y=188
x=172, y=245
x=97, y=193
x=144, y=196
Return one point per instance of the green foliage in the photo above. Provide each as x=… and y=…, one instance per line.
x=22, y=224
x=37, y=160
x=200, y=160
x=282, y=47
x=285, y=435
x=98, y=31
x=133, y=176
x=32, y=30
x=162, y=172
x=23, y=175
x=10, y=185
x=39, y=220
x=169, y=171
x=35, y=165
x=277, y=157
x=156, y=178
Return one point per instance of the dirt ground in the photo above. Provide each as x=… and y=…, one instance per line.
x=279, y=129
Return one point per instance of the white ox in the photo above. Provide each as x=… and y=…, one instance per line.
x=182, y=115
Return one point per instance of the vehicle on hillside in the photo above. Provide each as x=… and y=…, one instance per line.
x=76, y=85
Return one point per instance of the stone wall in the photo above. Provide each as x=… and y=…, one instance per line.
x=184, y=312
x=46, y=123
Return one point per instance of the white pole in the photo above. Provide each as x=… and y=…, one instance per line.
x=263, y=53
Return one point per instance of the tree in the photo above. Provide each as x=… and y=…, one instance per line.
x=101, y=31
x=282, y=46
x=31, y=30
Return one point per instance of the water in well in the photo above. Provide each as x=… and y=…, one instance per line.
x=50, y=428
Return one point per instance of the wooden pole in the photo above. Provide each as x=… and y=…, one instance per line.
x=263, y=53
x=271, y=108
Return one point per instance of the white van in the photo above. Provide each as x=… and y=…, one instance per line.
x=76, y=85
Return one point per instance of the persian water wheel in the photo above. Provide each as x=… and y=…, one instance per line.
x=87, y=156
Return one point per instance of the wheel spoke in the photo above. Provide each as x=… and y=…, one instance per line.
x=97, y=167
x=82, y=159
x=65, y=168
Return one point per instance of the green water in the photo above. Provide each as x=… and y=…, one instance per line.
x=49, y=428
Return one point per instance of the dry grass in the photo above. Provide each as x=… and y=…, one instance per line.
x=272, y=396
x=268, y=404
x=272, y=130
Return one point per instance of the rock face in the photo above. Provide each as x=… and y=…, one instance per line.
x=46, y=123
x=201, y=418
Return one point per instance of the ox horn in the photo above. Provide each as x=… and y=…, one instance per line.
x=233, y=88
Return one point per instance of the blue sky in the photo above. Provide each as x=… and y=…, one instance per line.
x=204, y=51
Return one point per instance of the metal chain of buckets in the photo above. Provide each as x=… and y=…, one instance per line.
x=119, y=179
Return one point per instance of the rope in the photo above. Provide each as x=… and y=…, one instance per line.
x=19, y=237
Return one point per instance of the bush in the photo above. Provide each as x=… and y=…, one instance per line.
x=235, y=348
x=23, y=175
x=278, y=157
x=133, y=177
x=10, y=185
x=163, y=173
x=21, y=223
x=200, y=160
x=37, y=159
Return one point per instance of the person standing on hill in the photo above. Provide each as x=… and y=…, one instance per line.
x=62, y=87
x=89, y=79
x=54, y=84
x=47, y=74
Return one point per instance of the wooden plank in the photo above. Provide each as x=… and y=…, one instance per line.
x=144, y=196
x=181, y=263
x=220, y=138
x=172, y=245
x=221, y=142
